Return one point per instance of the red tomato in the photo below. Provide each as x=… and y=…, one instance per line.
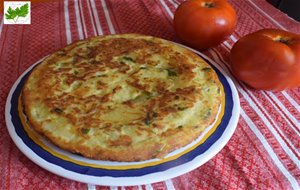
x=204, y=23
x=268, y=59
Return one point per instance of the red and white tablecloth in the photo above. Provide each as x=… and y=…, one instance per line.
x=264, y=151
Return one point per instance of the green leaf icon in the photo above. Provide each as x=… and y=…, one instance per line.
x=16, y=13
x=10, y=14
x=23, y=10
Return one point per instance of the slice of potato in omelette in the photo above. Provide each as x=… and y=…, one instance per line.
x=123, y=97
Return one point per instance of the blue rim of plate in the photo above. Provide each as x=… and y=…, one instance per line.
x=230, y=100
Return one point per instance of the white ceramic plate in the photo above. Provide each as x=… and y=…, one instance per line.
x=75, y=167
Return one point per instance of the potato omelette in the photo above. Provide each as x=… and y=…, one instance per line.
x=126, y=97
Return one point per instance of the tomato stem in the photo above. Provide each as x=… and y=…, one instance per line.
x=209, y=5
x=282, y=40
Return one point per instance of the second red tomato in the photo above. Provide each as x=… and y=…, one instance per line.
x=202, y=24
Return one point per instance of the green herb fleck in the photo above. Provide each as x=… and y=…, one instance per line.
x=76, y=72
x=14, y=14
x=101, y=75
x=128, y=58
x=148, y=95
x=158, y=151
x=206, y=69
x=149, y=117
x=181, y=108
x=171, y=73
x=58, y=110
x=208, y=114
x=85, y=130
x=179, y=127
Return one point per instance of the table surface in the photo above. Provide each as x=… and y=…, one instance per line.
x=264, y=151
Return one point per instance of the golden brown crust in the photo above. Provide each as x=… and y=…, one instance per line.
x=122, y=97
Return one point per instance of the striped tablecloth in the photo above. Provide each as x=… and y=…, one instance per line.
x=264, y=151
